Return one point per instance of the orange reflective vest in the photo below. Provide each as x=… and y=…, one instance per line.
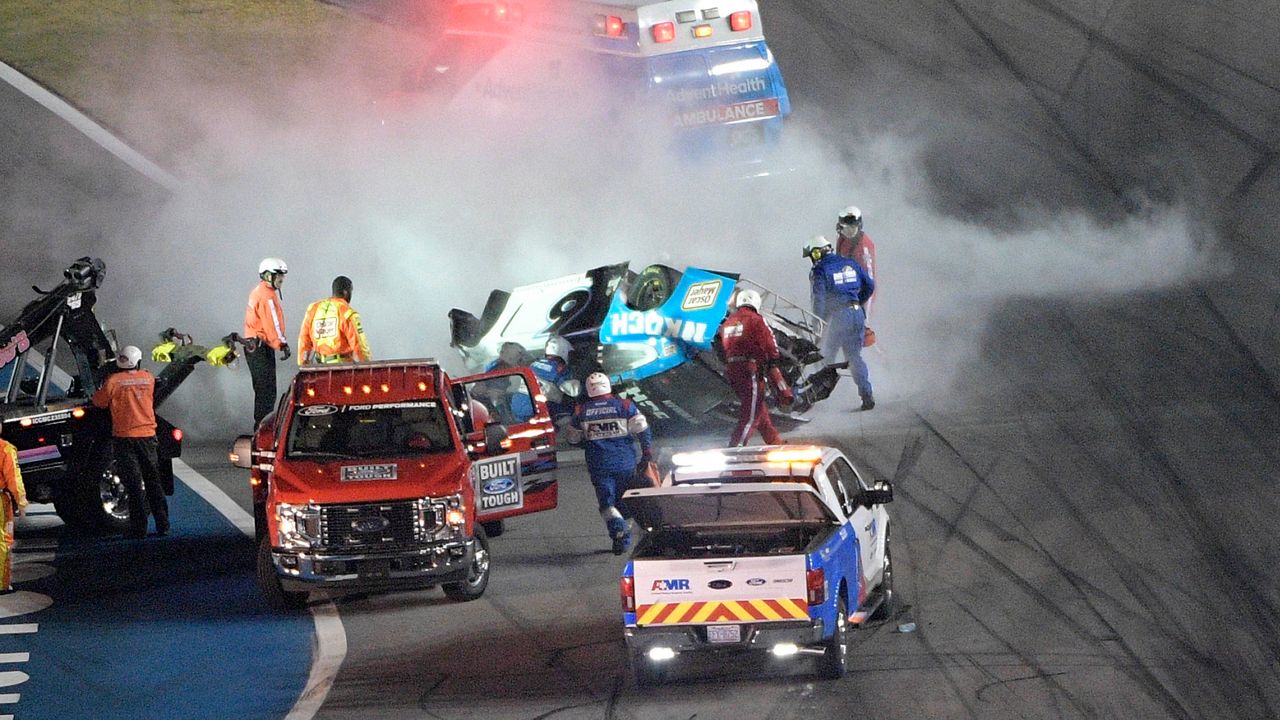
x=332, y=330
x=131, y=396
x=264, y=316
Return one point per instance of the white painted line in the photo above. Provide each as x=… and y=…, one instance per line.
x=14, y=657
x=9, y=697
x=327, y=654
x=213, y=495
x=91, y=129
x=329, y=647
x=19, y=628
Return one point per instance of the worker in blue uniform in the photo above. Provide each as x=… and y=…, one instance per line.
x=840, y=289
x=609, y=426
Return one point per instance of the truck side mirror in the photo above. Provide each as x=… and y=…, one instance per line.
x=879, y=495
x=494, y=435
x=241, y=454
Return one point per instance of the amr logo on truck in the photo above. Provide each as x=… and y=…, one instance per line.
x=701, y=67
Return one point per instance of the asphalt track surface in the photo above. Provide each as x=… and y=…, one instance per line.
x=1084, y=523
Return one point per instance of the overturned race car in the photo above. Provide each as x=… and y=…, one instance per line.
x=653, y=333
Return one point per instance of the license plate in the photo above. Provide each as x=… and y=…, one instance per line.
x=374, y=568
x=724, y=633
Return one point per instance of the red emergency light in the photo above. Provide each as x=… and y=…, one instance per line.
x=608, y=25
x=740, y=20
x=664, y=32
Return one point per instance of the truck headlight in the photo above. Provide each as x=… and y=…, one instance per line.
x=441, y=518
x=298, y=525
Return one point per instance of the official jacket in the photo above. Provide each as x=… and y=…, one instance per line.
x=130, y=394
x=606, y=425
x=837, y=282
x=746, y=336
x=333, y=330
x=861, y=249
x=264, y=316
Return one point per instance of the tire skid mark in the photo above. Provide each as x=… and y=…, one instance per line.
x=1269, y=388
x=1038, y=670
x=1250, y=600
x=1128, y=661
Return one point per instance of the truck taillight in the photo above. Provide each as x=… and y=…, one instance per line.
x=664, y=32
x=740, y=20
x=177, y=434
x=816, y=581
x=628, y=588
x=77, y=413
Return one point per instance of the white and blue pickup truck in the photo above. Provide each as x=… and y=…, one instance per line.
x=778, y=549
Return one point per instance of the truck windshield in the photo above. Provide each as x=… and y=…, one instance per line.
x=788, y=507
x=376, y=430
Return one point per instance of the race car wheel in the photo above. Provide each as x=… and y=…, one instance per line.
x=885, y=611
x=651, y=287
x=647, y=673
x=477, y=575
x=273, y=592
x=835, y=657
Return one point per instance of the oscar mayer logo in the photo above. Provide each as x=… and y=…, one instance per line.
x=701, y=295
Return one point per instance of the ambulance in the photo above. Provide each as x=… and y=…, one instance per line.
x=698, y=70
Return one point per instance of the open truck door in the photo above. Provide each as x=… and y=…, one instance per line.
x=508, y=428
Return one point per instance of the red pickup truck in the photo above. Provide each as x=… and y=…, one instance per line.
x=391, y=474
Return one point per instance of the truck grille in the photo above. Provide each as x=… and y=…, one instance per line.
x=371, y=525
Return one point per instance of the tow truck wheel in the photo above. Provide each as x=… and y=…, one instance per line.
x=647, y=673
x=477, y=575
x=885, y=611
x=273, y=592
x=835, y=657
x=109, y=501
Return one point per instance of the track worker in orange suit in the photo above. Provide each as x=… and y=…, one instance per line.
x=751, y=356
x=130, y=394
x=331, y=330
x=264, y=332
x=15, y=505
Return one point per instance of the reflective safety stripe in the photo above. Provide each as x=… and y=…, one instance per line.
x=687, y=613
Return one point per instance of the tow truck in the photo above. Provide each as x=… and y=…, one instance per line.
x=769, y=549
x=53, y=355
x=391, y=475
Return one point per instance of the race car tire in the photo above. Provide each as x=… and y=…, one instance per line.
x=885, y=611
x=647, y=673
x=477, y=575
x=834, y=662
x=277, y=598
x=651, y=287
x=494, y=528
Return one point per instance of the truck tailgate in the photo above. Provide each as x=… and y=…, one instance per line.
x=720, y=590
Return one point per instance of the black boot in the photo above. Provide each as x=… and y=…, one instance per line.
x=868, y=403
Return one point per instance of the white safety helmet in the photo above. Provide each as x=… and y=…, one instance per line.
x=819, y=245
x=558, y=347
x=598, y=384
x=849, y=221
x=272, y=265
x=747, y=296
x=129, y=358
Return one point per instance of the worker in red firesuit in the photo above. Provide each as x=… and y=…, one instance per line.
x=15, y=505
x=264, y=330
x=751, y=356
x=331, y=329
x=130, y=395
x=852, y=241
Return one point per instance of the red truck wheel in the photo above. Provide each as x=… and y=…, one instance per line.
x=477, y=575
x=273, y=592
